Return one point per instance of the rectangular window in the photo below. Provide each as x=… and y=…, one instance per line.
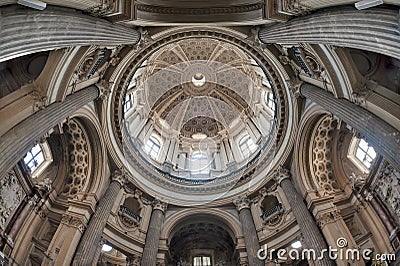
x=34, y=158
x=152, y=147
x=202, y=261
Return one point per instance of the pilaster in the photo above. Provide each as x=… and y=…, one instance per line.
x=335, y=231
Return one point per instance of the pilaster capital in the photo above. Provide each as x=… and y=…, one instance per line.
x=159, y=205
x=242, y=202
x=74, y=221
x=327, y=217
x=281, y=174
x=119, y=176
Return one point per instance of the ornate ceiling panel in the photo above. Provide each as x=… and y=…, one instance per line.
x=193, y=70
x=201, y=125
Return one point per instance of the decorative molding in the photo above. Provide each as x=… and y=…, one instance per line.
x=199, y=11
x=294, y=87
x=39, y=100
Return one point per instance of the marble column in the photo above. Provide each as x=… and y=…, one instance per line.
x=87, y=247
x=16, y=226
x=149, y=257
x=41, y=31
x=249, y=230
x=344, y=28
x=312, y=237
x=383, y=214
x=30, y=130
x=387, y=220
x=379, y=134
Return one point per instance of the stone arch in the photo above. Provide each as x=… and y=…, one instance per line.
x=99, y=171
x=209, y=232
x=225, y=217
x=302, y=174
x=79, y=158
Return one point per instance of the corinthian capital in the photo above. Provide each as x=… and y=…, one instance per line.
x=280, y=174
x=119, y=176
x=242, y=202
x=159, y=205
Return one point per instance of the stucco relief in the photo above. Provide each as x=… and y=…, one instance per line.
x=293, y=7
x=11, y=196
x=388, y=187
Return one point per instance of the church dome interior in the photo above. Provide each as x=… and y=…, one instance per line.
x=199, y=111
x=199, y=133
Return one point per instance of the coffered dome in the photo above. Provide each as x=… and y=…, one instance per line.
x=201, y=112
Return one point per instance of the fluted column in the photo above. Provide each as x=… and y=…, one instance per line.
x=149, y=257
x=375, y=30
x=382, y=136
x=86, y=251
x=313, y=238
x=53, y=29
x=30, y=130
x=249, y=230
